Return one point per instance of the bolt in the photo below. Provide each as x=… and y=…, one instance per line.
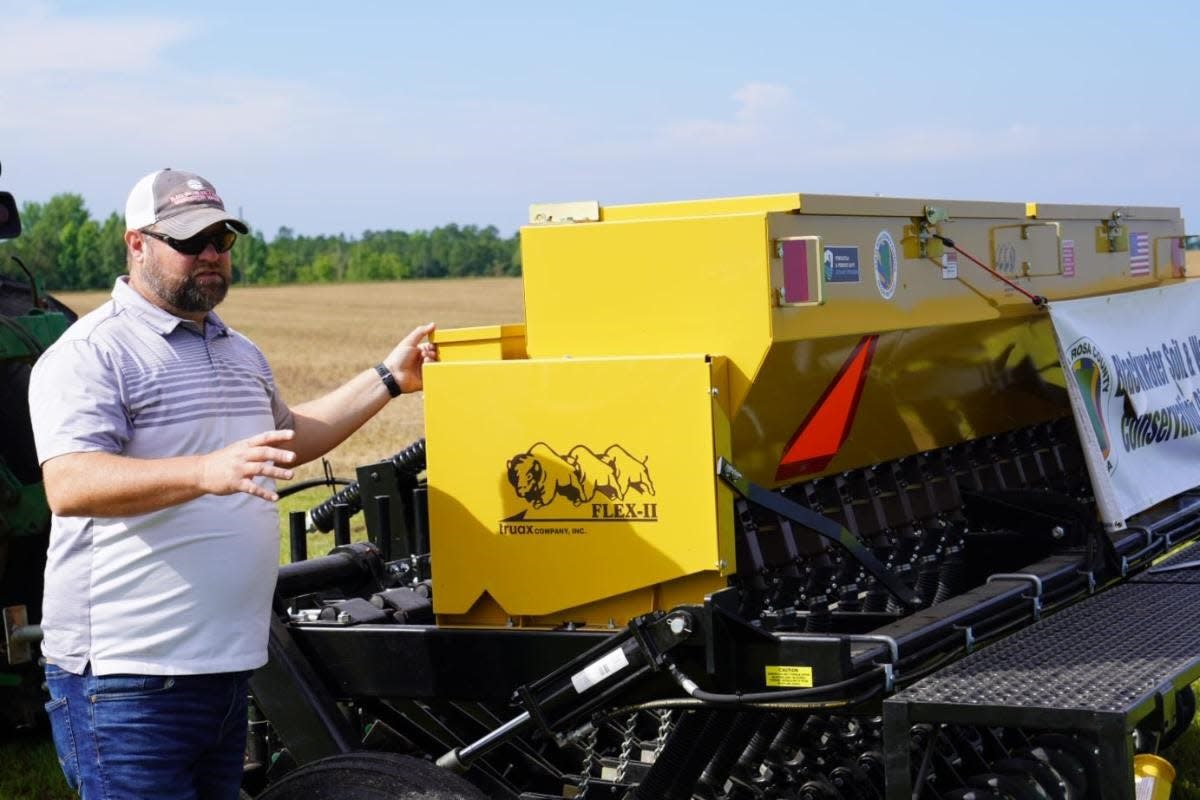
x=1057, y=532
x=677, y=625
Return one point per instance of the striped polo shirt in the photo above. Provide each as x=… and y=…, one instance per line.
x=184, y=590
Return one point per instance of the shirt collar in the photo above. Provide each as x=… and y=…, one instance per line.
x=162, y=321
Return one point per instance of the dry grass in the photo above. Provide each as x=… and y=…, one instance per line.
x=317, y=336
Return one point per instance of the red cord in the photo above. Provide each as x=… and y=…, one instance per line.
x=1036, y=299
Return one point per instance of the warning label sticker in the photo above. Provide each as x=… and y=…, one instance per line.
x=790, y=677
x=949, y=265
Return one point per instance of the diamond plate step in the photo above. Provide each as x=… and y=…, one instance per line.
x=1099, y=667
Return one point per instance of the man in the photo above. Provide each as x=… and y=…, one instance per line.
x=161, y=432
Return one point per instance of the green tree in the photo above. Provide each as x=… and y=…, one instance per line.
x=69, y=250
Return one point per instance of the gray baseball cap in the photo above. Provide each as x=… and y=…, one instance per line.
x=177, y=203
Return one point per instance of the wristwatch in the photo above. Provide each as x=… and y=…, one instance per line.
x=388, y=379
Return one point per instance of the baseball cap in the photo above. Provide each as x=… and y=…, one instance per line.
x=177, y=203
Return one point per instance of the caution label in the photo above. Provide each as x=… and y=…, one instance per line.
x=790, y=677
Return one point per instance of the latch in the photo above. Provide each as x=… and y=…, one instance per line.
x=1111, y=234
x=919, y=239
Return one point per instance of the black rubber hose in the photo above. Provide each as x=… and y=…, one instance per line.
x=718, y=770
x=675, y=756
x=683, y=784
x=748, y=762
x=311, y=483
x=837, y=689
x=408, y=462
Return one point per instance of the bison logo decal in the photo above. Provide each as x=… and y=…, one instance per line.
x=541, y=474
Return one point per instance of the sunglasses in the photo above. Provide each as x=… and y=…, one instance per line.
x=222, y=241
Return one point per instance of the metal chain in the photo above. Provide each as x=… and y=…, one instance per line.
x=590, y=761
x=626, y=747
x=666, y=721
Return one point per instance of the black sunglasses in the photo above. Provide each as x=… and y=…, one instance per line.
x=222, y=241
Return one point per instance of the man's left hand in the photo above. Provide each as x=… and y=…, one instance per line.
x=413, y=352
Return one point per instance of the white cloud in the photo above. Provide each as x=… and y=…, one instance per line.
x=760, y=107
x=771, y=124
x=109, y=86
x=40, y=41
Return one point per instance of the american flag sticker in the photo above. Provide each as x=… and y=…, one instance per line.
x=1068, y=258
x=1139, y=255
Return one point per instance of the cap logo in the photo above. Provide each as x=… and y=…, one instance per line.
x=190, y=198
x=194, y=184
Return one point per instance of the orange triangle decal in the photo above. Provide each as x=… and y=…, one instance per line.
x=824, y=430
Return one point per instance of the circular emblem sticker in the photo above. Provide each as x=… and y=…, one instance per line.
x=1090, y=370
x=887, y=269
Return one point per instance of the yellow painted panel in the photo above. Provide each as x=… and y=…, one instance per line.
x=696, y=285
x=558, y=483
x=701, y=208
x=482, y=343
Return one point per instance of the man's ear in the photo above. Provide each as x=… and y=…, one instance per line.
x=136, y=243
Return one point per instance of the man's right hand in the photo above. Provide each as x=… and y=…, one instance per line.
x=96, y=484
x=233, y=469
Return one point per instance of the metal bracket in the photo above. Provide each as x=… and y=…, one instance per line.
x=1028, y=578
x=1111, y=234
x=969, y=638
x=819, y=524
x=19, y=635
x=889, y=670
x=1026, y=269
x=1091, y=579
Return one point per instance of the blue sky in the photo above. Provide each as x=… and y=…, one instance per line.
x=339, y=118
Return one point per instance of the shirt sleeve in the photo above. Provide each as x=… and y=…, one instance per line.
x=284, y=418
x=76, y=403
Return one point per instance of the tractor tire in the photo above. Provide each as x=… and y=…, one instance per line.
x=371, y=776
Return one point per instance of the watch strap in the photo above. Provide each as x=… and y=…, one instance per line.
x=388, y=379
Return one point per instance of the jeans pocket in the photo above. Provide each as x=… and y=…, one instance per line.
x=64, y=739
x=122, y=687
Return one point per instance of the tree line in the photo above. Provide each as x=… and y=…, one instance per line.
x=68, y=250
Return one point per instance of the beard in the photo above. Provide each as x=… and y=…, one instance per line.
x=192, y=293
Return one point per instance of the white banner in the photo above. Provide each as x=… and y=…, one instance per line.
x=1132, y=363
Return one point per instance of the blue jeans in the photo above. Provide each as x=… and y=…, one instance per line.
x=149, y=737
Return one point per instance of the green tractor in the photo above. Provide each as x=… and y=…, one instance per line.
x=30, y=322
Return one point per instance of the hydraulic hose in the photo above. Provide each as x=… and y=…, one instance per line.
x=407, y=462
x=748, y=698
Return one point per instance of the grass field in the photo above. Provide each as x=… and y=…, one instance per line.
x=316, y=336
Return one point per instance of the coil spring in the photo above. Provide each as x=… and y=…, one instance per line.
x=407, y=463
